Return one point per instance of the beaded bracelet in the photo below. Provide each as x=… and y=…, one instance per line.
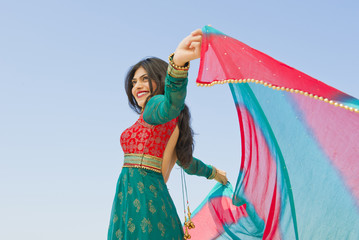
x=214, y=173
x=184, y=68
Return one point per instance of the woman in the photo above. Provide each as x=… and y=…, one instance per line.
x=143, y=208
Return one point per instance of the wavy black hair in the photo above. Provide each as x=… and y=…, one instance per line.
x=156, y=70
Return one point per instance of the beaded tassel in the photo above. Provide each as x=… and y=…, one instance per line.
x=188, y=224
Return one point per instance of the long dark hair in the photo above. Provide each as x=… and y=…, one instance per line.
x=156, y=70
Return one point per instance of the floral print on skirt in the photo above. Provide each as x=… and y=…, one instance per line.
x=143, y=208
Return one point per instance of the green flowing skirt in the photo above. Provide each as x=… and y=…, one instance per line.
x=143, y=208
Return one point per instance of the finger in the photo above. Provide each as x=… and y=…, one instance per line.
x=196, y=32
x=195, y=45
x=197, y=38
x=189, y=43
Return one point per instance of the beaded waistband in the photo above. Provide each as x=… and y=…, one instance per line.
x=143, y=161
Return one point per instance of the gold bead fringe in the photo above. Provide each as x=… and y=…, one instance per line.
x=188, y=224
x=336, y=104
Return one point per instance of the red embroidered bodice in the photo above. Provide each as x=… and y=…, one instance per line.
x=143, y=138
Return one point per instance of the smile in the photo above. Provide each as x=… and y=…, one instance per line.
x=140, y=94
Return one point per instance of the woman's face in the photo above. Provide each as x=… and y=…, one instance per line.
x=141, y=86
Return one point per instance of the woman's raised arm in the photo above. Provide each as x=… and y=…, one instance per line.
x=163, y=108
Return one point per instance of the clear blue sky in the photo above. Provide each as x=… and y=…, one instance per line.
x=63, y=104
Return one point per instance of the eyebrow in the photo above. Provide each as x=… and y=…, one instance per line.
x=140, y=76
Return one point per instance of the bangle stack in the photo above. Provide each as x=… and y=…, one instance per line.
x=184, y=68
x=214, y=173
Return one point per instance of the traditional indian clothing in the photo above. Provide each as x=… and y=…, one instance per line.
x=142, y=207
x=299, y=169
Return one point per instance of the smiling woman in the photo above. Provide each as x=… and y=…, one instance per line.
x=142, y=87
x=138, y=86
x=162, y=136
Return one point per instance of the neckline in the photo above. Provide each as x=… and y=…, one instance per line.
x=143, y=122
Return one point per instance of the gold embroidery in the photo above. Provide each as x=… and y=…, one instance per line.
x=143, y=172
x=143, y=156
x=168, y=200
x=130, y=226
x=143, y=161
x=124, y=216
x=161, y=228
x=173, y=223
x=144, y=167
x=160, y=185
x=140, y=186
x=119, y=234
x=115, y=218
x=146, y=224
x=151, y=208
x=124, y=179
x=120, y=197
x=164, y=208
x=131, y=172
x=153, y=190
x=129, y=189
x=137, y=204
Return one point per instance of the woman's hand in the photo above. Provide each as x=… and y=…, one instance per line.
x=189, y=48
x=221, y=176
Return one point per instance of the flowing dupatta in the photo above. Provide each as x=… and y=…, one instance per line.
x=299, y=169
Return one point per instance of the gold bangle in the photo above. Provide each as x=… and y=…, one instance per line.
x=214, y=173
x=183, y=68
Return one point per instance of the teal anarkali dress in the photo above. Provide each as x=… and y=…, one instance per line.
x=142, y=207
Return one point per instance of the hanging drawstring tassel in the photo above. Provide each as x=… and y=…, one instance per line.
x=188, y=224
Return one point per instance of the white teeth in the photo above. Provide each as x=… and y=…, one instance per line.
x=141, y=94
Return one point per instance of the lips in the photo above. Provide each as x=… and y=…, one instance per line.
x=142, y=93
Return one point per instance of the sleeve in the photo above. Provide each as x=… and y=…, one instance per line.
x=197, y=167
x=163, y=108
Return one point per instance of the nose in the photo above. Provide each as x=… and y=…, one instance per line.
x=138, y=85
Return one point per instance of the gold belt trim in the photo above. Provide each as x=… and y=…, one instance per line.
x=143, y=161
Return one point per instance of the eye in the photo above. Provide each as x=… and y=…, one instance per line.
x=134, y=82
x=146, y=78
